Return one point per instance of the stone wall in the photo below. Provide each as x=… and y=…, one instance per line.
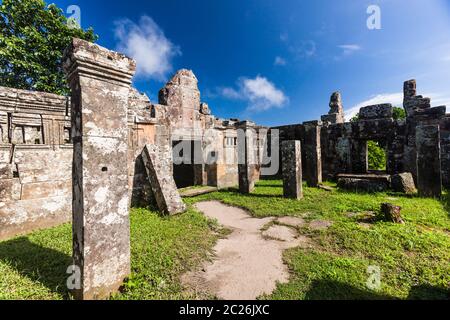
x=36, y=150
x=343, y=145
x=35, y=161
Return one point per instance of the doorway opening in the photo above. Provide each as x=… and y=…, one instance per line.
x=185, y=162
x=377, y=156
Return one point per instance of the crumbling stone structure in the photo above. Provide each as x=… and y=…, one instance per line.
x=342, y=146
x=35, y=161
x=36, y=148
x=108, y=147
x=336, y=114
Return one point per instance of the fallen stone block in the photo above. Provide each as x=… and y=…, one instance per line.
x=370, y=183
x=404, y=183
x=158, y=164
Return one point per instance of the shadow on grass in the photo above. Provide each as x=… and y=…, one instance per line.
x=43, y=265
x=332, y=290
x=426, y=292
x=445, y=200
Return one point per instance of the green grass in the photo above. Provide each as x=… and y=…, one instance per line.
x=34, y=266
x=414, y=258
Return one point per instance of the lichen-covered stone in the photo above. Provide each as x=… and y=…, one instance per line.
x=378, y=111
x=292, y=169
x=247, y=165
x=404, y=183
x=158, y=163
x=312, y=154
x=364, y=183
x=429, y=178
x=100, y=83
x=336, y=114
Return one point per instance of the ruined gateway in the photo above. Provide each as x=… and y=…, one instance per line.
x=49, y=161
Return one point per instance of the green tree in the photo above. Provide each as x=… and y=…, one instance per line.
x=32, y=41
x=377, y=156
x=399, y=113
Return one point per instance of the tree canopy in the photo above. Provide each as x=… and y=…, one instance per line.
x=32, y=41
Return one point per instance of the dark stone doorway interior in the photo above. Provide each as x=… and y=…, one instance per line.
x=185, y=173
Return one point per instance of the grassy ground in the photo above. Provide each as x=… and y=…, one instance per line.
x=413, y=258
x=34, y=267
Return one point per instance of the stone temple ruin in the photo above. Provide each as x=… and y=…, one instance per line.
x=107, y=147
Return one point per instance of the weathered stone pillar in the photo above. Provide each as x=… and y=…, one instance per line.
x=313, y=154
x=292, y=169
x=100, y=82
x=429, y=179
x=246, y=158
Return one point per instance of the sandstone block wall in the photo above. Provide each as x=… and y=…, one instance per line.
x=36, y=149
x=35, y=161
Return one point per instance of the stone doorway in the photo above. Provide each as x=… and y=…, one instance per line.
x=187, y=171
x=377, y=156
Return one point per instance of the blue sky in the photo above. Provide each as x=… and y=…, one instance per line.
x=277, y=62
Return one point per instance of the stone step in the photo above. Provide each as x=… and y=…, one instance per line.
x=194, y=192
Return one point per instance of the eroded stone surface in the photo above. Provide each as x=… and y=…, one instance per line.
x=336, y=114
x=292, y=169
x=403, y=182
x=378, y=111
x=247, y=157
x=429, y=179
x=158, y=163
x=101, y=228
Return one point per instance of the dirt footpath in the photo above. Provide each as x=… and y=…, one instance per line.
x=248, y=263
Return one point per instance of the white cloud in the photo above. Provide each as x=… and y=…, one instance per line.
x=263, y=94
x=348, y=49
x=146, y=43
x=279, y=61
x=229, y=93
x=260, y=93
x=440, y=99
x=396, y=99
